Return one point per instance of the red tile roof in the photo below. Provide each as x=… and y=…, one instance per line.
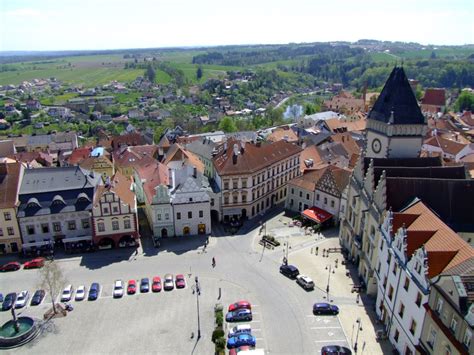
x=435, y=97
x=9, y=183
x=448, y=146
x=153, y=173
x=78, y=155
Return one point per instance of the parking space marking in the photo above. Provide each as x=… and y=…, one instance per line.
x=329, y=340
x=326, y=328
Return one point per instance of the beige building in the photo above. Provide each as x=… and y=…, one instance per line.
x=11, y=174
x=100, y=165
x=252, y=177
x=449, y=319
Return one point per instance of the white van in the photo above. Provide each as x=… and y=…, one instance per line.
x=240, y=329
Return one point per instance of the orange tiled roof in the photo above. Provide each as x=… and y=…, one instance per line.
x=448, y=146
x=154, y=173
x=283, y=133
x=435, y=97
x=444, y=247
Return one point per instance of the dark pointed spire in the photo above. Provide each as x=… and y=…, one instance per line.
x=397, y=103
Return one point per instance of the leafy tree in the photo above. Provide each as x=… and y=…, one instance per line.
x=199, y=73
x=227, y=125
x=52, y=279
x=274, y=115
x=464, y=102
x=150, y=73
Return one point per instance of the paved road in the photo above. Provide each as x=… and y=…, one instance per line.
x=283, y=321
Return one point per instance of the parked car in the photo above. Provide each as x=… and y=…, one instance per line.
x=290, y=271
x=94, y=291
x=11, y=266
x=81, y=293
x=241, y=349
x=118, y=289
x=144, y=285
x=335, y=350
x=156, y=284
x=180, y=281
x=325, y=308
x=239, y=315
x=35, y=263
x=239, y=340
x=240, y=329
x=132, y=287
x=22, y=299
x=305, y=282
x=67, y=294
x=1, y=297
x=38, y=297
x=9, y=301
x=169, y=284
x=240, y=305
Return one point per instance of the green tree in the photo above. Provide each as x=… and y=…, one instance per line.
x=227, y=125
x=150, y=73
x=51, y=279
x=199, y=73
x=274, y=115
x=464, y=102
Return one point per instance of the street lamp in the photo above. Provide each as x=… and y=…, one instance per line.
x=328, y=267
x=197, y=290
x=359, y=327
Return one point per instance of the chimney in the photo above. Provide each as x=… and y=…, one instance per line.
x=236, y=149
x=242, y=149
x=194, y=172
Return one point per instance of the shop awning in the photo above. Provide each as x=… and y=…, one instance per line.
x=77, y=239
x=316, y=214
x=37, y=244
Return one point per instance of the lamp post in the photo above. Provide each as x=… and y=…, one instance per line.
x=197, y=290
x=359, y=328
x=328, y=267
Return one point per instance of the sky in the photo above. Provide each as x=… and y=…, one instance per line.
x=113, y=24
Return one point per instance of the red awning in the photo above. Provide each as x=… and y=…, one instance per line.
x=316, y=214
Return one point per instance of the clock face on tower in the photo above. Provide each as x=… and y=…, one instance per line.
x=376, y=145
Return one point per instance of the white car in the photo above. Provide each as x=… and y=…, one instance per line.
x=21, y=299
x=80, y=293
x=240, y=329
x=67, y=294
x=305, y=282
x=118, y=288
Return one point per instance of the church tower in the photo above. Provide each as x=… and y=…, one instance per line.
x=395, y=125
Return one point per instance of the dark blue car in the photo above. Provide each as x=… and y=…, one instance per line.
x=9, y=301
x=144, y=285
x=325, y=308
x=239, y=315
x=94, y=291
x=241, y=340
x=335, y=350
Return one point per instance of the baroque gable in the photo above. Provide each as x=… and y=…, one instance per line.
x=327, y=184
x=369, y=179
x=418, y=266
x=380, y=194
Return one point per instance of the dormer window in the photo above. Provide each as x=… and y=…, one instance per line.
x=33, y=202
x=82, y=197
x=58, y=201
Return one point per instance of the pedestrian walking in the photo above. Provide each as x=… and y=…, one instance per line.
x=317, y=249
x=213, y=262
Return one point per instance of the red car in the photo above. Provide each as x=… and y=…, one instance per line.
x=180, y=281
x=11, y=266
x=156, y=284
x=240, y=305
x=132, y=287
x=35, y=263
x=242, y=348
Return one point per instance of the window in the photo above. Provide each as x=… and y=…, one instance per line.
x=406, y=285
x=115, y=209
x=234, y=184
x=431, y=338
x=100, y=226
x=301, y=193
x=439, y=305
x=317, y=197
x=397, y=335
x=418, y=299
x=226, y=185
x=244, y=183
x=467, y=338
x=201, y=214
x=178, y=215
x=167, y=216
x=401, y=310
x=307, y=196
x=395, y=267
x=378, y=267
x=390, y=292
x=71, y=225
x=385, y=282
x=454, y=324
x=413, y=327
x=389, y=258
x=158, y=216
x=381, y=243
x=115, y=225
x=7, y=216
x=57, y=226
x=1, y=232
x=190, y=214
x=235, y=198
x=10, y=231
x=292, y=191
x=244, y=198
x=85, y=223
x=332, y=204
x=106, y=210
x=126, y=224
x=226, y=199
x=45, y=228
x=325, y=200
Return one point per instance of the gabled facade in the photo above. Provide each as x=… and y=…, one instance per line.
x=114, y=214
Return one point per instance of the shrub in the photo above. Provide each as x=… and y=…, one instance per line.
x=218, y=307
x=217, y=334
x=220, y=344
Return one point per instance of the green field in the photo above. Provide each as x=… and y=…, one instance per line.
x=209, y=71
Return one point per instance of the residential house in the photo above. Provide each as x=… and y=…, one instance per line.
x=33, y=105
x=252, y=177
x=55, y=206
x=100, y=164
x=433, y=101
x=11, y=174
x=125, y=159
x=447, y=148
x=283, y=133
x=203, y=149
x=449, y=325
x=415, y=248
x=127, y=140
x=114, y=214
x=177, y=157
x=7, y=148
x=345, y=103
